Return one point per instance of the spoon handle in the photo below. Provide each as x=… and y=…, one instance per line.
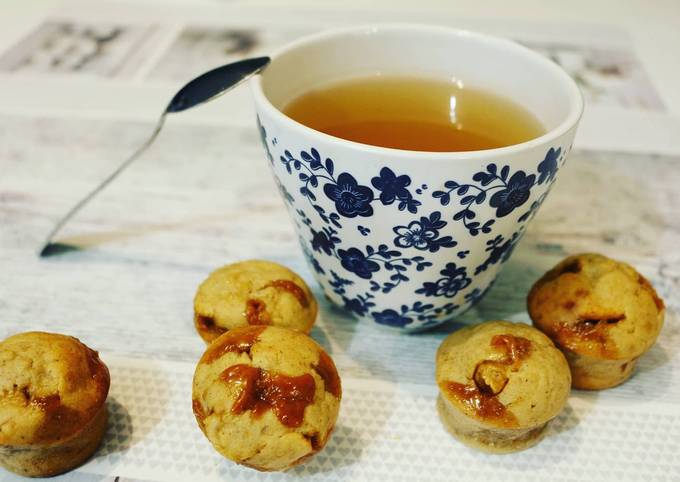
x=202, y=89
x=49, y=247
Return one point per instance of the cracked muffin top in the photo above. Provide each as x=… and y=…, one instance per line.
x=596, y=306
x=51, y=386
x=505, y=375
x=266, y=397
x=253, y=292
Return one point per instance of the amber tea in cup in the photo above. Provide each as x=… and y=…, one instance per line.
x=417, y=114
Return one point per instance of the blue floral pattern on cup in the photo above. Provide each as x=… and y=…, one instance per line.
x=393, y=188
x=423, y=234
x=349, y=197
x=454, y=279
x=450, y=220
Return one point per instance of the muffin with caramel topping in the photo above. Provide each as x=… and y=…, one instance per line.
x=253, y=292
x=266, y=397
x=53, y=414
x=601, y=313
x=500, y=384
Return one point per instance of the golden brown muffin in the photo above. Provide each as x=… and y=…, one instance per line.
x=52, y=403
x=266, y=397
x=601, y=313
x=253, y=292
x=500, y=384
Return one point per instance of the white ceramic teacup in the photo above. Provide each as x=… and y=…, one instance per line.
x=410, y=239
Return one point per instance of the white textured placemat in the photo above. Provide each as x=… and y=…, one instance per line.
x=385, y=432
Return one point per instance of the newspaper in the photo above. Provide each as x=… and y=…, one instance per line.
x=607, y=75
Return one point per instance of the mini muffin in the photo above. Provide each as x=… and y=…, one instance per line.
x=500, y=384
x=52, y=403
x=601, y=313
x=253, y=292
x=266, y=397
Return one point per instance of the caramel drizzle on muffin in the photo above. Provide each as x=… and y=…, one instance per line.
x=590, y=328
x=327, y=371
x=49, y=404
x=490, y=378
x=573, y=266
x=647, y=286
x=581, y=325
x=516, y=348
x=256, y=313
x=59, y=420
x=98, y=370
x=237, y=341
x=259, y=391
x=207, y=325
x=197, y=408
x=292, y=288
x=256, y=310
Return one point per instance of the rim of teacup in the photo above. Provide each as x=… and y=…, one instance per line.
x=574, y=94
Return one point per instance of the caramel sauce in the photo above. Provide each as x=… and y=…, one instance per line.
x=591, y=329
x=315, y=441
x=50, y=404
x=515, y=348
x=573, y=266
x=648, y=286
x=485, y=406
x=327, y=371
x=490, y=378
x=256, y=310
x=256, y=313
x=260, y=390
x=99, y=372
x=60, y=420
x=27, y=395
x=239, y=340
x=207, y=325
x=198, y=411
x=292, y=288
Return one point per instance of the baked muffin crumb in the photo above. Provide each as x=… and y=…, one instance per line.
x=601, y=313
x=500, y=384
x=53, y=414
x=253, y=292
x=266, y=397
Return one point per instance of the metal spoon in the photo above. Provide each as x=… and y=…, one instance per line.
x=203, y=88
